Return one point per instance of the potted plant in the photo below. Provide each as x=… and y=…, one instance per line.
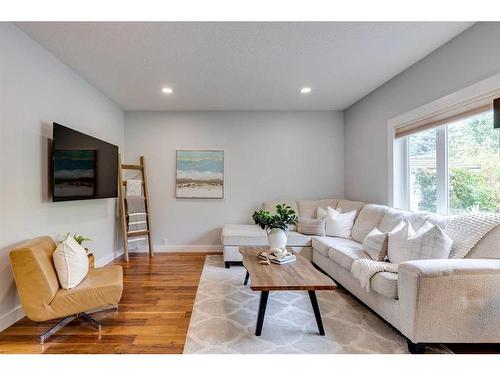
x=276, y=225
x=79, y=239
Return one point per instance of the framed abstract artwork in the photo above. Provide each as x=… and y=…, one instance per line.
x=199, y=174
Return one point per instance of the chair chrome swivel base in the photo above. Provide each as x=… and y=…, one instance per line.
x=64, y=322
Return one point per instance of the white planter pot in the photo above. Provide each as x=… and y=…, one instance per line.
x=277, y=238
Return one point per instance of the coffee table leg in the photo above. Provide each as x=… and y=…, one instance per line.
x=317, y=314
x=246, y=278
x=262, y=311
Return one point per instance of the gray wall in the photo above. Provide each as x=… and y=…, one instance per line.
x=268, y=155
x=470, y=57
x=35, y=90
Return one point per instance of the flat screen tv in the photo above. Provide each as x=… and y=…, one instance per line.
x=84, y=167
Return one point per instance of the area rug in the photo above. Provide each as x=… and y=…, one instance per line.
x=225, y=314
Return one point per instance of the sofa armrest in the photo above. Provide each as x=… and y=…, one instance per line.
x=451, y=267
x=450, y=300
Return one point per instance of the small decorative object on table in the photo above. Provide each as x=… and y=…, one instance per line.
x=277, y=257
x=276, y=227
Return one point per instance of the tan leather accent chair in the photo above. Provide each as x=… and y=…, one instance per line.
x=43, y=298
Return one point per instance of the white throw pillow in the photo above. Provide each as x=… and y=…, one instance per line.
x=398, y=241
x=375, y=244
x=71, y=263
x=428, y=242
x=339, y=224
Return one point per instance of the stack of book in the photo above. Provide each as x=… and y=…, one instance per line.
x=283, y=259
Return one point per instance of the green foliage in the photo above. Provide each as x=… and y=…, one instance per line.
x=284, y=216
x=426, y=180
x=78, y=238
x=469, y=189
x=474, y=165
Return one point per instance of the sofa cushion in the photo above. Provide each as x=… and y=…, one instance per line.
x=308, y=209
x=344, y=251
x=392, y=218
x=322, y=244
x=253, y=235
x=298, y=239
x=271, y=207
x=243, y=235
x=368, y=219
x=386, y=284
x=346, y=206
x=418, y=219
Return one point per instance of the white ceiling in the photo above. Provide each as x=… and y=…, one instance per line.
x=240, y=65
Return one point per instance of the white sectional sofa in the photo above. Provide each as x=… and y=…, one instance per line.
x=428, y=301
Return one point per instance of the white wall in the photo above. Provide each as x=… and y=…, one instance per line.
x=470, y=57
x=268, y=155
x=36, y=89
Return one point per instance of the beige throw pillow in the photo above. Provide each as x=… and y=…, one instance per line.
x=311, y=227
x=375, y=244
x=71, y=263
x=339, y=224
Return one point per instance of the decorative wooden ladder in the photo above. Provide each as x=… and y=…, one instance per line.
x=123, y=212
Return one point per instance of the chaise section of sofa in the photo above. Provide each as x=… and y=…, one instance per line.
x=250, y=235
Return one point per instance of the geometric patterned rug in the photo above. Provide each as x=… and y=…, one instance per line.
x=225, y=314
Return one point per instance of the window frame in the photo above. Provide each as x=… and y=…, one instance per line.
x=402, y=166
x=397, y=152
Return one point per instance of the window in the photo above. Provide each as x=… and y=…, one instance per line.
x=451, y=168
x=422, y=163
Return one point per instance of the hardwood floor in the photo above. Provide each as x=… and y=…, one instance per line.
x=153, y=315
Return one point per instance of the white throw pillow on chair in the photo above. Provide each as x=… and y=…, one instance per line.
x=339, y=224
x=71, y=263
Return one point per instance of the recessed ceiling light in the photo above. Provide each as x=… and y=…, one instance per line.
x=167, y=90
x=305, y=90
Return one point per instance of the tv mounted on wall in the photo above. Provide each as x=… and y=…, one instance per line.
x=84, y=167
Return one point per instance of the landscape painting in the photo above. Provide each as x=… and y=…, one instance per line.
x=200, y=174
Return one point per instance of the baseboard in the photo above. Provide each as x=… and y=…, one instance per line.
x=180, y=249
x=108, y=258
x=9, y=318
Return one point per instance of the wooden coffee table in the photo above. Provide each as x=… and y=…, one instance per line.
x=297, y=275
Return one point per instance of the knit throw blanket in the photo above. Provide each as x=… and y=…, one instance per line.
x=364, y=269
x=467, y=230
x=136, y=214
